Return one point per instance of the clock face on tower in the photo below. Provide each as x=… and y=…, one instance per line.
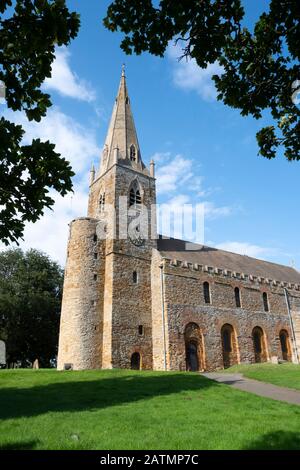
x=135, y=237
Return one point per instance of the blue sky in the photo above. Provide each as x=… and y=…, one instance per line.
x=205, y=151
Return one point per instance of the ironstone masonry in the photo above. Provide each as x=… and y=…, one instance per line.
x=157, y=303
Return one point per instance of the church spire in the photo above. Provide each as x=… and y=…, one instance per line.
x=121, y=144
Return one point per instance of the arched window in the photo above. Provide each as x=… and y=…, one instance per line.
x=206, y=292
x=265, y=302
x=132, y=153
x=134, y=195
x=135, y=362
x=237, y=295
x=135, y=277
x=102, y=203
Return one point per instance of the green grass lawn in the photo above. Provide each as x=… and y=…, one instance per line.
x=121, y=409
x=284, y=375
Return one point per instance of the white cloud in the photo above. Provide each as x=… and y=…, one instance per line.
x=179, y=200
x=50, y=233
x=189, y=76
x=161, y=157
x=176, y=172
x=180, y=196
x=211, y=211
x=177, y=180
x=78, y=144
x=73, y=141
x=245, y=248
x=65, y=81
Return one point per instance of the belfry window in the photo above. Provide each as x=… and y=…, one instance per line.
x=237, y=295
x=132, y=153
x=135, y=277
x=266, y=302
x=134, y=196
x=102, y=203
x=206, y=293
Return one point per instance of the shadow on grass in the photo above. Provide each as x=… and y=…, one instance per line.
x=279, y=440
x=22, y=445
x=96, y=394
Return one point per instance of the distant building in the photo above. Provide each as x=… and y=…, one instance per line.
x=146, y=303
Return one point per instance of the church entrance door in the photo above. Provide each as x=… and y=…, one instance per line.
x=192, y=357
x=136, y=361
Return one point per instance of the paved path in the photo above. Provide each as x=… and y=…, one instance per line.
x=254, y=386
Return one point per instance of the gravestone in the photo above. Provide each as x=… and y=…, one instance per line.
x=36, y=364
x=2, y=354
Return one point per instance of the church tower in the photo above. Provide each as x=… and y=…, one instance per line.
x=106, y=318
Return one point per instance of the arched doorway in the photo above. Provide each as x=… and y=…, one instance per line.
x=285, y=345
x=229, y=346
x=192, y=357
x=259, y=345
x=194, y=354
x=135, y=361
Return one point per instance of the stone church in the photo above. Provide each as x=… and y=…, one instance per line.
x=148, y=302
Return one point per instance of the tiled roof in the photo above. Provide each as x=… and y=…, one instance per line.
x=193, y=253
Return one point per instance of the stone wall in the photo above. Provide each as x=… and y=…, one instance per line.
x=131, y=302
x=131, y=309
x=126, y=305
x=185, y=304
x=157, y=315
x=80, y=340
x=295, y=311
x=107, y=316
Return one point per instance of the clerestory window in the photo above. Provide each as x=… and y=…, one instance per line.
x=266, y=302
x=237, y=295
x=206, y=293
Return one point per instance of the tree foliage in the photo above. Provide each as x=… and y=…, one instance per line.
x=30, y=303
x=261, y=67
x=29, y=32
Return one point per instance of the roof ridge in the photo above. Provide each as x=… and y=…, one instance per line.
x=230, y=252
